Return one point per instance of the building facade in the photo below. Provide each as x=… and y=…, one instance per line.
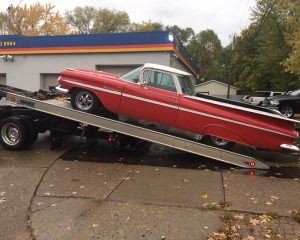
x=33, y=63
x=216, y=88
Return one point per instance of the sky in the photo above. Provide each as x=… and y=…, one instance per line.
x=225, y=17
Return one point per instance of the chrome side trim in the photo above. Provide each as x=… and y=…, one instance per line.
x=232, y=121
x=150, y=101
x=174, y=107
x=94, y=87
x=241, y=108
x=61, y=90
x=289, y=148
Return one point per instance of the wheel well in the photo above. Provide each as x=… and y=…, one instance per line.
x=225, y=133
x=72, y=90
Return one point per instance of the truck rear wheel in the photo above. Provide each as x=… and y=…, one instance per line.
x=15, y=134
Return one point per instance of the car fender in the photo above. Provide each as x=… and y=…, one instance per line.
x=225, y=133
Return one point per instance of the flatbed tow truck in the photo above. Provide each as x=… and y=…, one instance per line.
x=26, y=114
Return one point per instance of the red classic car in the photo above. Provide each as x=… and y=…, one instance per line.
x=165, y=96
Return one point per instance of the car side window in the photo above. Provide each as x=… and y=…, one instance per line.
x=159, y=80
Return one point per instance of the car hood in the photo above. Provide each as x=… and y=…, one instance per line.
x=88, y=74
x=282, y=97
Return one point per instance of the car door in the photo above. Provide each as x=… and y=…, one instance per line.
x=154, y=98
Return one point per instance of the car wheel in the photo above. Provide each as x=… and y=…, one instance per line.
x=14, y=134
x=218, y=142
x=287, y=111
x=84, y=101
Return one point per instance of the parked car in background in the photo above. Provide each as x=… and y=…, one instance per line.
x=288, y=104
x=165, y=96
x=259, y=96
x=246, y=99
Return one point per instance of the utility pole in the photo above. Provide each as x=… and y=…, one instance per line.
x=231, y=75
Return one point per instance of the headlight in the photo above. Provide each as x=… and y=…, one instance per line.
x=274, y=102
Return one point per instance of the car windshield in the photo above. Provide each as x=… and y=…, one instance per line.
x=132, y=76
x=295, y=93
x=186, y=85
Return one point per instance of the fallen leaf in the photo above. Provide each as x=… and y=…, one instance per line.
x=254, y=221
x=186, y=180
x=267, y=236
x=268, y=203
x=239, y=216
x=205, y=227
x=249, y=238
x=274, y=197
x=47, y=193
x=95, y=225
x=82, y=187
x=205, y=196
x=53, y=205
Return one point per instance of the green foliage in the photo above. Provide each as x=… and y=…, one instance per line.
x=206, y=48
x=184, y=34
x=86, y=20
x=81, y=19
x=146, y=27
x=261, y=51
x=109, y=21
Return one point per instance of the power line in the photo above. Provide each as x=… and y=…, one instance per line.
x=265, y=17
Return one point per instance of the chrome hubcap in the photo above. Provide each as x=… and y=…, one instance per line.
x=11, y=134
x=84, y=101
x=287, y=111
x=219, y=141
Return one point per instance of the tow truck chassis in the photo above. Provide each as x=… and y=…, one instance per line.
x=58, y=116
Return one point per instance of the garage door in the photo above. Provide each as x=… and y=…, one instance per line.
x=2, y=78
x=117, y=69
x=49, y=80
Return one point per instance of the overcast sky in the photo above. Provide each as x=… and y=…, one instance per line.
x=225, y=17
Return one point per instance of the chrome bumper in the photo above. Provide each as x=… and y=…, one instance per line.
x=289, y=148
x=61, y=90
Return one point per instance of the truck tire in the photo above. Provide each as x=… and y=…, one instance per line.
x=15, y=134
x=84, y=101
x=217, y=142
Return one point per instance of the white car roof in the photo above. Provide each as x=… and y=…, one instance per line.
x=166, y=68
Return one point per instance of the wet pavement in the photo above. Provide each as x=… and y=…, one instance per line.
x=95, y=192
x=281, y=165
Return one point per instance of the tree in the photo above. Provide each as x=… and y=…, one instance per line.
x=87, y=20
x=205, y=48
x=292, y=19
x=262, y=49
x=184, y=34
x=147, y=27
x=108, y=21
x=37, y=19
x=82, y=19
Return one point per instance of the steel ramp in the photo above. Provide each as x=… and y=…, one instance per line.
x=64, y=110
